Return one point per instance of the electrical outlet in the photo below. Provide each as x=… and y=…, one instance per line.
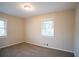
x=46, y=44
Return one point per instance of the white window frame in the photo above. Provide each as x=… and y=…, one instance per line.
x=5, y=27
x=48, y=19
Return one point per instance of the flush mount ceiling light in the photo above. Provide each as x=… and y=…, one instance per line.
x=28, y=7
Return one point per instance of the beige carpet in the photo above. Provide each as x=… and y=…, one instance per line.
x=29, y=50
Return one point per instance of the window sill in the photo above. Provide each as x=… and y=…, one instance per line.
x=2, y=37
x=48, y=36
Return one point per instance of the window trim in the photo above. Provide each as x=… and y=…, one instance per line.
x=5, y=20
x=44, y=20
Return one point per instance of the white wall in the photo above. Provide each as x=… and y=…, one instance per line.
x=15, y=28
x=64, y=30
x=76, y=50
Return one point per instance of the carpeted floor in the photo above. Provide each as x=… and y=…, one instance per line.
x=29, y=50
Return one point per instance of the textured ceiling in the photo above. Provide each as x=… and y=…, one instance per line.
x=17, y=9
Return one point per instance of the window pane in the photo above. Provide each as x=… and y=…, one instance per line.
x=2, y=32
x=2, y=28
x=47, y=28
x=1, y=23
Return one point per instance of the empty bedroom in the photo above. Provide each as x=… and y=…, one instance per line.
x=39, y=29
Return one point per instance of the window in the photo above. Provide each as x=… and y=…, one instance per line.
x=2, y=27
x=47, y=28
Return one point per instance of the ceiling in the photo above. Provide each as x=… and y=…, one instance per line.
x=16, y=8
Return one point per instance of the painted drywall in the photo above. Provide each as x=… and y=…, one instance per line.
x=64, y=30
x=76, y=41
x=15, y=31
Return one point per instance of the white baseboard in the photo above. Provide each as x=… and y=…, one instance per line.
x=10, y=45
x=63, y=50
x=76, y=54
x=37, y=45
x=52, y=48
